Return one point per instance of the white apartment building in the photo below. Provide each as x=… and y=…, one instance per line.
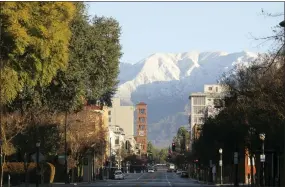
x=117, y=138
x=122, y=116
x=117, y=142
x=205, y=104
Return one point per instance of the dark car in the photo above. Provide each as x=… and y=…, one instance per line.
x=184, y=174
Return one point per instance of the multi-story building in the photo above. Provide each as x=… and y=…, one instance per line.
x=204, y=104
x=122, y=116
x=117, y=143
x=141, y=126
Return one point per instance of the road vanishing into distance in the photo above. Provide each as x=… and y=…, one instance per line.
x=158, y=178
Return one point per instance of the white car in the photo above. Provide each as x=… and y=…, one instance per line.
x=150, y=170
x=119, y=175
x=178, y=172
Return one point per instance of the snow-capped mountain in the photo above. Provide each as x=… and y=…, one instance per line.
x=165, y=80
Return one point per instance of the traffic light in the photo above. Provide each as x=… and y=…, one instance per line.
x=173, y=147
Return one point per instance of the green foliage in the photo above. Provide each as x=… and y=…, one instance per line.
x=155, y=154
x=35, y=38
x=251, y=106
x=93, y=65
x=181, y=139
x=50, y=139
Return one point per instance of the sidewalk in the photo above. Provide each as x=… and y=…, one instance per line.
x=214, y=184
x=57, y=184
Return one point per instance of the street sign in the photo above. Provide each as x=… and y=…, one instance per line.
x=220, y=163
x=262, y=158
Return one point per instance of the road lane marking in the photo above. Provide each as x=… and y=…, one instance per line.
x=167, y=180
x=110, y=184
x=140, y=176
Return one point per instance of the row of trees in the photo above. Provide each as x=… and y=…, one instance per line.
x=54, y=58
x=181, y=155
x=254, y=104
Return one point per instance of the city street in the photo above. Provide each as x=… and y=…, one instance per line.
x=159, y=178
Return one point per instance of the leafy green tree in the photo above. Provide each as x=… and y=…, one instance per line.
x=35, y=38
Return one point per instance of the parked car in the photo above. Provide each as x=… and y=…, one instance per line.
x=150, y=170
x=184, y=174
x=178, y=172
x=119, y=175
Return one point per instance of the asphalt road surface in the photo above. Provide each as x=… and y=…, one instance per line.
x=158, y=178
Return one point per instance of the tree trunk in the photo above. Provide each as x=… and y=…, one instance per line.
x=2, y=168
x=72, y=175
x=26, y=175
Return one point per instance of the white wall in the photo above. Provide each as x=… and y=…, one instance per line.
x=122, y=116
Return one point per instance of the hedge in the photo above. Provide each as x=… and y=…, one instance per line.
x=18, y=174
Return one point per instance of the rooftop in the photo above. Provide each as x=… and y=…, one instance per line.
x=141, y=103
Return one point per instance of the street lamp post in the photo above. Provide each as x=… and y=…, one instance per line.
x=38, y=144
x=221, y=163
x=262, y=158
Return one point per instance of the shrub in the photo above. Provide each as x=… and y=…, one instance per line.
x=18, y=174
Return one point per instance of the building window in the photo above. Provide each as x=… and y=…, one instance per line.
x=199, y=109
x=201, y=120
x=199, y=101
x=142, y=111
x=217, y=89
x=117, y=141
x=141, y=127
x=142, y=120
x=110, y=120
x=109, y=113
x=210, y=88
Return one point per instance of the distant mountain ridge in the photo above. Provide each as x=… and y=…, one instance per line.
x=165, y=80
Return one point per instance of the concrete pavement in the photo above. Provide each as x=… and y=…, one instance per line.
x=156, y=179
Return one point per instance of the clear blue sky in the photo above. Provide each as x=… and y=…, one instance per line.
x=150, y=27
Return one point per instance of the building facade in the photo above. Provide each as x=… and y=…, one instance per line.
x=141, y=126
x=203, y=105
x=117, y=143
x=122, y=116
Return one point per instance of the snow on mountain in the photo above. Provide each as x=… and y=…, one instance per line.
x=165, y=80
x=168, y=67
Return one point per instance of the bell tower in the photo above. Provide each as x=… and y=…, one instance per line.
x=141, y=124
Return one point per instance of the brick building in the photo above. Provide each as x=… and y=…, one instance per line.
x=141, y=126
